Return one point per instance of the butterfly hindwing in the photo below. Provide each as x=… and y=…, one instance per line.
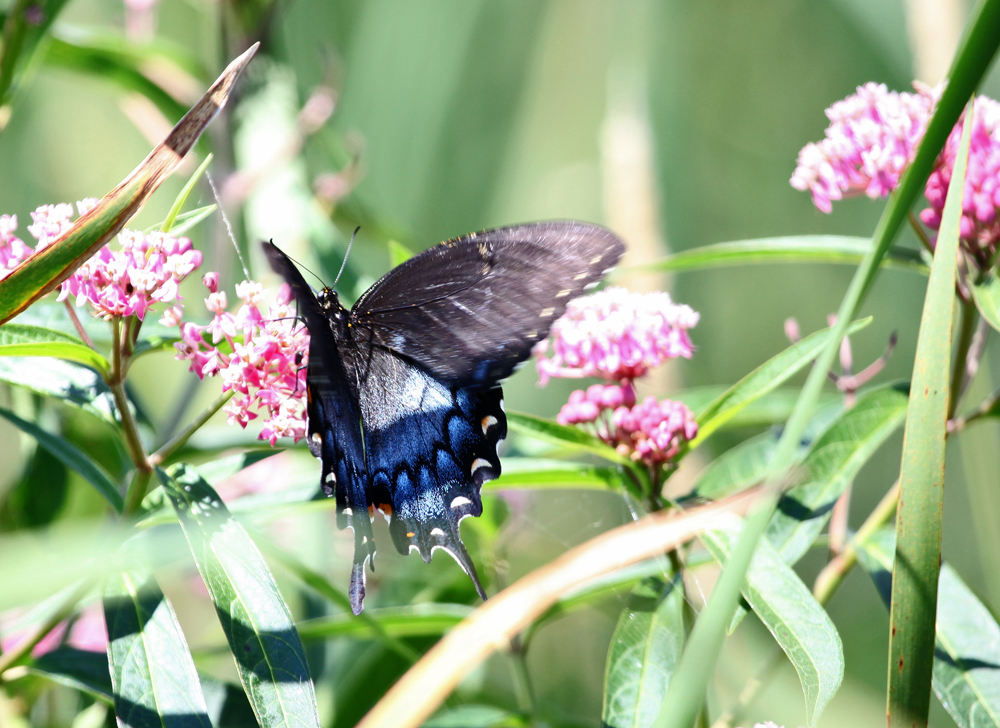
x=334, y=426
x=470, y=309
x=430, y=448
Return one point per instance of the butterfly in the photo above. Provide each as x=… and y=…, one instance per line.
x=403, y=390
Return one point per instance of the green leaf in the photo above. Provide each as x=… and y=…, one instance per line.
x=921, y=478
x=182, y=197
x=793, y=249
x=566, y=436
x=986, y=294
x=398, y=253
x=474, y=716
x=186, y=220
x=831, y=465
x=645, y=648
x=258, y=625
x=79, y=669
x=788, y=609
x=543, y=473
x=966, y=670
x=740, y=467
x=74, y=385
x=72, y=457
x=228, y=706
x=153, y=674
x=765, y=378
x=23, y=340
x=430, y=619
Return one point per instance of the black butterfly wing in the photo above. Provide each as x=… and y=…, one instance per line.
x=429, y=447
x=334, y=423
x=470, y=309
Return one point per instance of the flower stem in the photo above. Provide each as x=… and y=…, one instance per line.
x=15, y=654
x=833, y=574
x=71, y=310
x=921, y=233
x=172, y=445
x=130, y=428
x=968, y=328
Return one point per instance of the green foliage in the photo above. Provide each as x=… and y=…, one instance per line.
x=419, y=125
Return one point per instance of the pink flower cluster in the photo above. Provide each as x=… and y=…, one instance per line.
x=872, y=137
x=981, y=196
x=651, y=431
x=260, y=353
x=148, y=269
x=617, y=335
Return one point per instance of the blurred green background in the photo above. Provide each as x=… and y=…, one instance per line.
x=676, y=123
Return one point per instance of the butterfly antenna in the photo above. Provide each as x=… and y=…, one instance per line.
x=229, y=227
x=347, y=253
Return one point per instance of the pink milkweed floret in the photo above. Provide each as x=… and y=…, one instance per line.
x=260, y=353
x=616, y=335
x=872, y=137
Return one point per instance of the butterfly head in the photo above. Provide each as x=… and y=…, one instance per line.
x=329, y=302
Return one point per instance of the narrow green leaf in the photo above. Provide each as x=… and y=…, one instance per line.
x=185, y=192
x=921, y=478
x=429, y=619
x=72, y=457
x=986, y=294
x=831, y=465
x=153, y=343
x=228, y=706
x=765, y=378
x=571, y=437
x=966, y=669
x=258, y=625
x=79, y=669
x=738, y=468
x=645, y=648
x=23, y=340
x=794, y=249
x=185, y=221
x=788, y=609
x=154, y=678
x=543, y=473
x=73, y=384
x=398, y=253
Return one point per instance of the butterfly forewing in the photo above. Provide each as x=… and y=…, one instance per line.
x=334, y=426
x=470, y=309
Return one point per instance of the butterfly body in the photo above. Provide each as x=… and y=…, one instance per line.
x=404, y=404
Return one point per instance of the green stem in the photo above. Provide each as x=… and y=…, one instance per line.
x=17, y=653
x=178, y=440
x=519, y=673
x=130, y=428
x=970, y=315
x=921, y=233
x=832, y=575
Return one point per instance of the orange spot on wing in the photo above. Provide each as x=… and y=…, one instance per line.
x=385, y=508
x=411, y=534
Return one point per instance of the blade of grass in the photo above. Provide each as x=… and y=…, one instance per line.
x=687, y=690
x=793, y=249
x=921, y=500
x=47, y=268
